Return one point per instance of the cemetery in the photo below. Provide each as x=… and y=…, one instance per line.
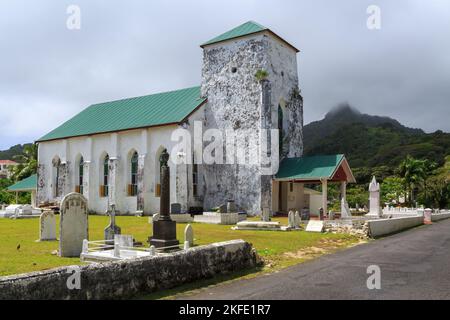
x=107, y=202
x=205, y=245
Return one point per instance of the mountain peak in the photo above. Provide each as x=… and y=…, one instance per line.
x=342, y=109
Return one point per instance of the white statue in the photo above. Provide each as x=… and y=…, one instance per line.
x=374, y=198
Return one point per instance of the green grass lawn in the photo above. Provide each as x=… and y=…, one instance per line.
x=278, y=249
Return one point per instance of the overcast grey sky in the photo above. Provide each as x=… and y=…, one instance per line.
x=49, y=73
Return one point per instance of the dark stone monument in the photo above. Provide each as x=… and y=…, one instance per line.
x=175, y=208
x=223, y=208
x=231, y=206
x=164, y=230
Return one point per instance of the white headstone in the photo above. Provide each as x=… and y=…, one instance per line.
x=73, y=227
x=47, y=223
x=297, y=219
x=189, y=235
x=345, y=210
x=315, y=226
x=291, y=222
x=374, y=198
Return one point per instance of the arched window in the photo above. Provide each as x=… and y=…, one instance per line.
x=104, y=190
x=80, y=175
x=280, y=130
x=133, y=187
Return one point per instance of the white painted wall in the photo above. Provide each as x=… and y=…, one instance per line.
x=147, y=142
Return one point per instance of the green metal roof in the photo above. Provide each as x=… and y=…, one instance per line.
x=242, y=30
x=309, y=168
x=27, y=184
x=140, y=112
x=247, y=28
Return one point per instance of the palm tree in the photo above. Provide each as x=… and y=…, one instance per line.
x=414, y=173
x=27, y=163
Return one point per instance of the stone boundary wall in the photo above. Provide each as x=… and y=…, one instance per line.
x=382, y=227
x=440, y=216
x=128, y=279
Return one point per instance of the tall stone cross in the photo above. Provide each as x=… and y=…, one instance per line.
x=112, y=229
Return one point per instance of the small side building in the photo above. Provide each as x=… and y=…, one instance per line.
x=26, y=185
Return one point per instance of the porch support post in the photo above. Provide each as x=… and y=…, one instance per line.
x=344, y=191
x=324, y=196
x=17, y=197
x=33, y=199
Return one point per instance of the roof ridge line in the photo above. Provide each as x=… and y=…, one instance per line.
x=145, y=95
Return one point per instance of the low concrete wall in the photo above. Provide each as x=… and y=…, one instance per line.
x=382, y=227
x=440, y=216
x=127, y=279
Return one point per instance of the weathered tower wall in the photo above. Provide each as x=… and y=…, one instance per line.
x=238, y=101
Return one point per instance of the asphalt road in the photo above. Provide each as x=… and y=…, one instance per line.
x=414, y=265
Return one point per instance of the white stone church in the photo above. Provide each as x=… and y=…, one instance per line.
x=110, y=151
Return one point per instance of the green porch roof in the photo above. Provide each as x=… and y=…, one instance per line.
x=132, y=113
x=27, y=184
x=309, y=168
x=244, y=29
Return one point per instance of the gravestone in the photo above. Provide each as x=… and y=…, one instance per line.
x=112, y=229
x=223, y=208
x=345, y=210
x=175, y=208
x=73, y=227
x=189, y=235
x=315, y=226
x=266, y=215
x=374, y=199
x=296, y=219
x=47, y=223
x=231, y=206
x=123, y=240
x=165, y=229
x=305, y=214
x=291, y=218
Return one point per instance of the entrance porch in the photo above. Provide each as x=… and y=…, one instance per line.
x=291, y=187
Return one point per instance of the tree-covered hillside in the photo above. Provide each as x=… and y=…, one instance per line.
x=12, y=152
x=372, y=141
x=409, y=163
